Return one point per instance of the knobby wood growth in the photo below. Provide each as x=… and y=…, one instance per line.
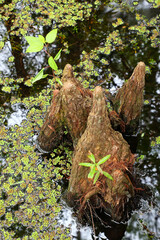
x=93, y=128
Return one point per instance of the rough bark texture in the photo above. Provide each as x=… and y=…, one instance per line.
x=69, y=108
x=100, y=139
x=52, y=130
x=90, y=124
x=129, y=99
x=76, y=104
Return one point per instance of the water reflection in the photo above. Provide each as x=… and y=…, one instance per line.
x=67, y=220
x=113, y=231
x=5, y=53
x=17, y=116
x=143, y=224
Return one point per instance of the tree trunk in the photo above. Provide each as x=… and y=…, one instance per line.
x=100, y=139
x=90, y=124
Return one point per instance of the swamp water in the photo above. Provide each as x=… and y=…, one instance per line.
x=143, y=224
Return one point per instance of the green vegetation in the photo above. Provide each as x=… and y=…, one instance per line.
x=96, y=170
x=30, y=182
x=39, y=43
x=30, y=191
x=156, y=141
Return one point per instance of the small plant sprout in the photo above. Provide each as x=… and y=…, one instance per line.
x=96, y=170
x=39, y=43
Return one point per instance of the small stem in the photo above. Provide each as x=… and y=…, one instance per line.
x=47, y=52
x=46, y=67
x=53, y=73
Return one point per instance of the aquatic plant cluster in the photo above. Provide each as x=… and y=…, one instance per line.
x=29, y=185
x=30, y=188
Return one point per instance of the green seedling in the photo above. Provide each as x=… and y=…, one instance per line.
x=40, y=43
x=96, y=170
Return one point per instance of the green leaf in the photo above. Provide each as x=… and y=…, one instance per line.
x=2, y=208
x=45, y=75
x=11, y=59
x=8, y=216
x=51, y=36
x=100, y=169
x=118, y=22
x=58, y=55
x=103, y=160
x=41, y=38
x=38, y=76
x=6, y=89
x=1, y=45
x=59, y=81
x=92, y=157
x=92, y=172
x=107, y=175
x=52, y=63
x=35, y=44
x=96, y=177
x=35, y=235
x=86, y=164
x=135, y=3
x=28, y=83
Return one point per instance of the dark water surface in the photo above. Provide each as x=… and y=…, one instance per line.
x=144, y=223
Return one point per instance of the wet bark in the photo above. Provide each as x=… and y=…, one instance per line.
x=90, y=124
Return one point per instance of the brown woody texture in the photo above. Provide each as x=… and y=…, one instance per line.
x=90, y=124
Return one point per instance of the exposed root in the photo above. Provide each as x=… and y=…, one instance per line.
x=92, y=220
x=88, y=196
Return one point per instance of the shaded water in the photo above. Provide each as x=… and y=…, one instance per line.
x=146, y=220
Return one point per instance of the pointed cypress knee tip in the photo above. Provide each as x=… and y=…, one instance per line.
x=142, y=64
x=67, y=73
